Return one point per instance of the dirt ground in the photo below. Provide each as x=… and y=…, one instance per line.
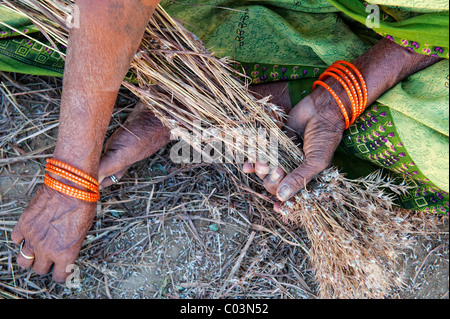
x=167, y=230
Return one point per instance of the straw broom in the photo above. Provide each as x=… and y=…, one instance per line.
x=355, y=231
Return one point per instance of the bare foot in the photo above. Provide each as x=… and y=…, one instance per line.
x=142, y=135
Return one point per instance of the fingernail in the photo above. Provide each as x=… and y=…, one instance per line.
x=275, y=176
x=262, y=170
x=285, y=192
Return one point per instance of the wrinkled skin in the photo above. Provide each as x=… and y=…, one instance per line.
x=144, y=132
x=54, y=238
x=319, y=127
x=53, y=226
x=317, y=120
x=319, y=123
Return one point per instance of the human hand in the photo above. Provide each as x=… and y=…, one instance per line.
x=53, y=227
x=319, y=123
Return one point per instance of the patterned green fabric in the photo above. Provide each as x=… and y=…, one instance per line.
x=429, y=28
x=423, y=6
x=32, y=57
x=405, y=131
x=377, y=137
x=420, y=109
x=267, y=32
x=24, y=55
x=396, y=13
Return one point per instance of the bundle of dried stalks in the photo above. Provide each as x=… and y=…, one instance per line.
x=356, y=235
x=355, y=232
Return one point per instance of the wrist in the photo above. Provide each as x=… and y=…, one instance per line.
x=86, y=165
x=71, y=181
x=67, y=182
x=83, y=156
x=327, y=105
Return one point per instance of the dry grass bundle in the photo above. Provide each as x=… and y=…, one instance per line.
x=356, y=235
x=355, y=232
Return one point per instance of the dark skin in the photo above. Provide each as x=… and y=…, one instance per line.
x=318, y=120
x=54, y=225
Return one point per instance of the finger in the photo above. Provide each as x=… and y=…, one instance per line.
x=42, y=265
x=60, y=270
x=25, y=258
x=248, y=168
x=16, y=235
x=320, y=141
x=107, y=181
x=298, y=179
x=273, y=180
x=277, y=207
x=300, y=115
x=262, y=170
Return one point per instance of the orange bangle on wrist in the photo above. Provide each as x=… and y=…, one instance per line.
x=361, y=78
x=338, y=100
x=73, y=170
x=342, y=82
x=365, y=97
x=71, y=177
x=354, y=84
x=70, y=191
x=75, y=176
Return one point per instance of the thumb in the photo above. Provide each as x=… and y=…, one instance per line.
x=299, y=178
x=320, y=140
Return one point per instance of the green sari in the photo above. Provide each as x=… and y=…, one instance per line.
x=405, y=131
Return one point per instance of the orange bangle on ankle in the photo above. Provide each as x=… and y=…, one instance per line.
x=75, y=176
